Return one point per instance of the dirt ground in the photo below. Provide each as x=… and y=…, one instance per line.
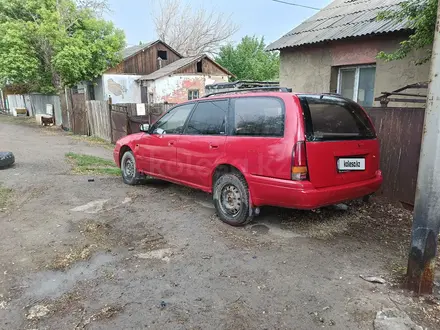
x=76, y=254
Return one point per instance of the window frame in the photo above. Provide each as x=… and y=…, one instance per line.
x=197, y=103
x=164, y=52
x=192, y=95
x=151, y=130
x=356, y=79
x=231, y=130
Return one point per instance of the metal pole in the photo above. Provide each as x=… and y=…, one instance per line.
x=426, y=222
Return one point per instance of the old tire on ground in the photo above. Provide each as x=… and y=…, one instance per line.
x=6, y=159
x=130, y=175
x=231, y=199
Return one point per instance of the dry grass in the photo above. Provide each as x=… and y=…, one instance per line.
x=85, y=164
x=5, y=196
x=375, y=221
x=94, y=141
x=28, y=121
x=322, y=224
x=63, y=262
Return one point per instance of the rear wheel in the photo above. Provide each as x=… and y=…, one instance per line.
x=128, y=167
x=231, y=199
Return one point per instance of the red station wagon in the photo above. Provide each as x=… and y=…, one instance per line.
x=255, y=148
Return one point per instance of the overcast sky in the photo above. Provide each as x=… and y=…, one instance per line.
x=255, y=17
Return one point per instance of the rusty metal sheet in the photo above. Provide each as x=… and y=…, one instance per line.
x=400, y=134
x=134, y=123
x=119, y=123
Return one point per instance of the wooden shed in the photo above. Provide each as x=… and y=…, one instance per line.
x=145, y=59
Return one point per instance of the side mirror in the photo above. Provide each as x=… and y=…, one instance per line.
x=144, y=127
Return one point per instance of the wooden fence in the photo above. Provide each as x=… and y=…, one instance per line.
x=98, y=117
x=111, y=122
x=400, y=133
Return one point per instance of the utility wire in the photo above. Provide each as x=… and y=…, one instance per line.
x=295, y=4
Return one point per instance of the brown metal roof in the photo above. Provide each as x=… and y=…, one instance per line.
x=179, y=64
x=342, y=19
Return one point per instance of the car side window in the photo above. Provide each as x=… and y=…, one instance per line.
x=209, y=118
x=259, y=116
x=174, y=121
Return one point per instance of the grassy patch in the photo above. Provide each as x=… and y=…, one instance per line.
x=28, y=121
x=86, y=164
x=95, y=141
x=5, y=196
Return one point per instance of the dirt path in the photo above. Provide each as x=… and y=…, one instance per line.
x=76, y=254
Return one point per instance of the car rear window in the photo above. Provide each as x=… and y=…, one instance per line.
x=334, y=118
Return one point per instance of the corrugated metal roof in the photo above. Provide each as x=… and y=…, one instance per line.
x=179, y=64
x=130, y=51
x=342, y=19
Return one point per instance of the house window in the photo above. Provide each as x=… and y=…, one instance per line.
x=357, y=83
x=193, y=94
x=163, y=54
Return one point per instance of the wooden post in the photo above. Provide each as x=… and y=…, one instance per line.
x=110, y=118
x=426, y=222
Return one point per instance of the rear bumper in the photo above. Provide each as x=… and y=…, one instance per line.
x=303, y=195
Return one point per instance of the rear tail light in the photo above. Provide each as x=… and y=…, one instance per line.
x=299, y=162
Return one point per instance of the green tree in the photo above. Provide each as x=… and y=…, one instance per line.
x=249, y=61
x=420, y=16
x=47, y=44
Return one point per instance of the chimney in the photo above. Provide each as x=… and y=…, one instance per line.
x=159, y=62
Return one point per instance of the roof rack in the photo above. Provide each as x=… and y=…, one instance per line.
x=334, y=94
x=258, y=89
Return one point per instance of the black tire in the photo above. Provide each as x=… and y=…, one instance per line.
x=6, y=159
x=366, y=199
x=236, y=212
x=130, y=175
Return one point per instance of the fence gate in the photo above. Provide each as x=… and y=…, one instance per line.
x=125, y=121
x=78, y=114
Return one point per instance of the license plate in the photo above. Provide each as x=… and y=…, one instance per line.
x=351, y=164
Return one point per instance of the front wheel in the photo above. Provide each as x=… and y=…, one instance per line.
x=130, y=175
x=231, y=199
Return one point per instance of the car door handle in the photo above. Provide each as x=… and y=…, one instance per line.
x=213, y=146
x=171, y=143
